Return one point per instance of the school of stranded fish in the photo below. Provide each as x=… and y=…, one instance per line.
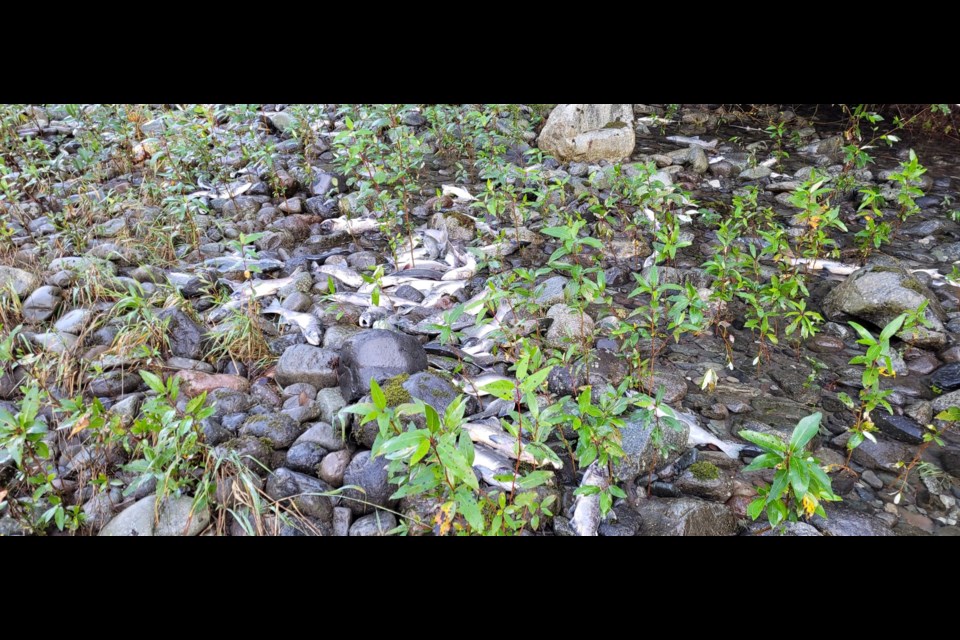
x=437, y=267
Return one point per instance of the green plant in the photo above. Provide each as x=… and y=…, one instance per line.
x=799, y=483
x=23, y=440
x=435, y=461
x=877, y=364
x=906, y=180
x=168, y=438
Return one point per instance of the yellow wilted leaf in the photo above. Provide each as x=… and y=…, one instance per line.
x=809, y=504
x=444, y=519
x=82, y=424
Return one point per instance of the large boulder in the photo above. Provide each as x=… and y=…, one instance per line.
x=645, y=452
x=589, y=132
x=378, y=354
x=685, y=517
x=878, y=294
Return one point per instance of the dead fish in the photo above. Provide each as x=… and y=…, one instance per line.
x=244, y=291
x=362, y=300
x=315, y=257
x=345, y=275
x=370, y=317
x=231, y=191
x=234, y=263
x=458, y=193
x=499, y=440
x=424, y=272
x=491, y=464
x=586, y=508
x=307, y=322
x=499, y=249
x=693, y=141
x=495, y=407
x=699, y=436
x=836, y=268
x=475, y=386
x=357, y=225
x=465, y=272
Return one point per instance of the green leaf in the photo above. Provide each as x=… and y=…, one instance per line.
x=433, y=418
x=856, y=438
x=755, y=508
x=503, y=389
x=779, y=486
x=470, y=509
x=376, y=393
x=892, y=327
x=764, y=440
x=617, y=492
x=804, y=431
x=764, y=461
x=776, y=512
x=452, y=460
x=799, y=477
x=154, y=382
x=864, y=334
x=403, y=444
x=534, y=479
x=587, y=490
x=533, y=382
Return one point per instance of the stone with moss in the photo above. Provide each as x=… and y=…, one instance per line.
x=704, y=470
x=395, y=392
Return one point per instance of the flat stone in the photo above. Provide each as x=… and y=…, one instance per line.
x=843, y=521
x=685, y=517
x=947, y=377
x=306, y=363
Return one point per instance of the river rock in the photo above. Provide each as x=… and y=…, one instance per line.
x=183, y=334
x=716, y=486
x=947, y=377
x=41, y=304
x=685, y=517
x=370, y=474
x=843, y=521
x=674, y=386
x=568, y=325
x=878, y=294
x=306, y=363
x=305, y=457
x=333, y=467
x=176, y=518
x=792, y=529
x=375, y=524
x=73, y=321
x=900, y=428
x=589, y=132
x=279, y=429
x=325, y=435
x=642, y=454
x=377, y=354
x=305, y=492
x=193, y=383
x=22, y=282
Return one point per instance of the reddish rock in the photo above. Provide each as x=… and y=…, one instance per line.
x=193, y=383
